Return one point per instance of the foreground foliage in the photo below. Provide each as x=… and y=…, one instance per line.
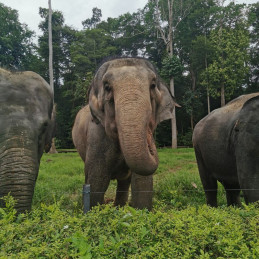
x=180, y=225
x=109, y=232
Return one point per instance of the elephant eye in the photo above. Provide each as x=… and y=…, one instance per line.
x=107, y=87
x=153, y=86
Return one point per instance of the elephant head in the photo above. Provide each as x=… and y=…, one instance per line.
x=128, y=98
x=25, y=130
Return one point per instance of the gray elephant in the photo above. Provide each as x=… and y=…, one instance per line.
x=114, y=133
x=26, y=103
x=226, y=144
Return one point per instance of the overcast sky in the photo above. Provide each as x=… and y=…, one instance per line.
x=76, y=11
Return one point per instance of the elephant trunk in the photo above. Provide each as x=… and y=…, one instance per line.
x=18, y=174
x=135, y=126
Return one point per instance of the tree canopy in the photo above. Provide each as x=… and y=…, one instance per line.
x=16, y=45
x=215, y=55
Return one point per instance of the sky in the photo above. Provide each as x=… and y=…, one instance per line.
x=76, y=11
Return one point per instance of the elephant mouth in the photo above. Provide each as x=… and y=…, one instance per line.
x=151, y=142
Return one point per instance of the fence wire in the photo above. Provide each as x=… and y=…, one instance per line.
x=190, y=190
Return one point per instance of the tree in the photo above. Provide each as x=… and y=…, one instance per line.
x=230, y=43
x=168, y=15
x=59, y=39
x=200, y=58
x=53, y=147
x=16, y=46
x=253, y=83
x=50, y=48
x=193, y=47
x=62, y=38
x=94, y=20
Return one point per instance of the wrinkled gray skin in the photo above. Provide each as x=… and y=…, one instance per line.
x=26, y=102
x=114, y=133
x=226, y=144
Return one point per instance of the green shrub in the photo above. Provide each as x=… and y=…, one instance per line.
x=109, y=232
x=180, y=225
x=185, y=139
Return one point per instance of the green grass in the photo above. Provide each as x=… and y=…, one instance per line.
x=180, y=225
x=176, y=181
x=61, y=177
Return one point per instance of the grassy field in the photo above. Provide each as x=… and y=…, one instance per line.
x=176, y=182
x=180, y=225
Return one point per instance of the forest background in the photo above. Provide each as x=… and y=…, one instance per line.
x=215, y=55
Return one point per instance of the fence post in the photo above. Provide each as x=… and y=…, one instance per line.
x=86, y=197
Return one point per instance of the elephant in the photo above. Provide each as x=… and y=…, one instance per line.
x=226, y=144
x=26, y=126
x=114, y=132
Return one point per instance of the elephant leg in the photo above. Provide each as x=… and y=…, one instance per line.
x=122, y=192
x=248, y=176
x=233, y=194
x=210, y=189
x=209, y=183
x=142, y=191
x=99, y=180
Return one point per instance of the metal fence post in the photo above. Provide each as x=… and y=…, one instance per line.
x=86, y=197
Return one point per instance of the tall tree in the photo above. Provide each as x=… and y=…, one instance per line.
x=230, y=42
x=62, y=38
x=168, y=15
x=94, y=20
x=191, y=42
x=51, y=81
x=253, y=84
x=16, y=45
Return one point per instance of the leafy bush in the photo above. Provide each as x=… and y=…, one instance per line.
x=109, y=232
x=180, y=225
x=185, y=139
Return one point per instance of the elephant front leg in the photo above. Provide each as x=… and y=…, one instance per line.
x=122, y=192
x=99, y=180
x=142, y=191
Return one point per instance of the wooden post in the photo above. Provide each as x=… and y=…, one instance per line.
x=86, y=198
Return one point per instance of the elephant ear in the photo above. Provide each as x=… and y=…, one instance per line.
x=96, y=95
x=166, y=106
x=96, y=105
x=51, y=130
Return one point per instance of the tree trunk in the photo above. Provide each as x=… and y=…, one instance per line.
x=173, y=120
x=50, y=49
x=51, y=80
x=222, y=95
x=168, y=37
x=53, y=149
x=193, y=77
x=208, y=100
x=192, y=121
x=170, y=53
x=206, y=67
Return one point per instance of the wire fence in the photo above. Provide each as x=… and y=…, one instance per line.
x=195, y=190
x=87, y=192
